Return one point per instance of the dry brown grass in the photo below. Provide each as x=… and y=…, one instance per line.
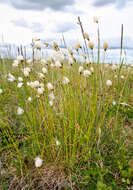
x=46, y=178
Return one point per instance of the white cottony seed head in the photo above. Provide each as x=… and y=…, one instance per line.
x=1, y=91
x=44, y=70
x=11, y=78
x=114, y=67
x=51, y=96
x=92, y=69
x=20, y=58
x=114, y=103
x=50, y=86
x=77, y=46
x=65, y=80
x=81, y=68
x=15, y=63
x=87, y=62
x=41, y=75
x=51, y=102
x=57, y=142
x=69, y=48
x=43, y=62
x=20, y=84
x=70, y=61
x=40, y=91
x=20, y=111
x=58, y=64
x=122, y=77
x=20, y=79
x=38, y=162
x=29, y=99
x=34, y=84
x=86, y=73
x=95, y=20
x=109, y=83
x=38, y=46
x=26, y=73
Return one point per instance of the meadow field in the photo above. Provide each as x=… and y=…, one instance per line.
x=66, y=124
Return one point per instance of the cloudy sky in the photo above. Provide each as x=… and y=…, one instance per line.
x=21, y=20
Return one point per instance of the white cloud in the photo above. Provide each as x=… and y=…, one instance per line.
x=19, y=26
x=33, y=26
x=117, y=3
x=39, y=4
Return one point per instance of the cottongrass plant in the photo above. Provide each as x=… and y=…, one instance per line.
x=57, y=114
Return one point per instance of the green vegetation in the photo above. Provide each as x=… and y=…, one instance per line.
x=86, y=133
x=66, y=124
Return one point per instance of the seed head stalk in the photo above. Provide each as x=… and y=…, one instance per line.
x=98, y=34
x=33, y=52
x=82, y=30
x=121, y=45
x=98, y=56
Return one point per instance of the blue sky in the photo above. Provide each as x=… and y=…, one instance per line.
x=21, y=20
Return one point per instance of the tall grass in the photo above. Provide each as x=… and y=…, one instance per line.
x=83, y=132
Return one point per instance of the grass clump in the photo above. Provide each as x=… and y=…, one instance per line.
x=63, y=127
